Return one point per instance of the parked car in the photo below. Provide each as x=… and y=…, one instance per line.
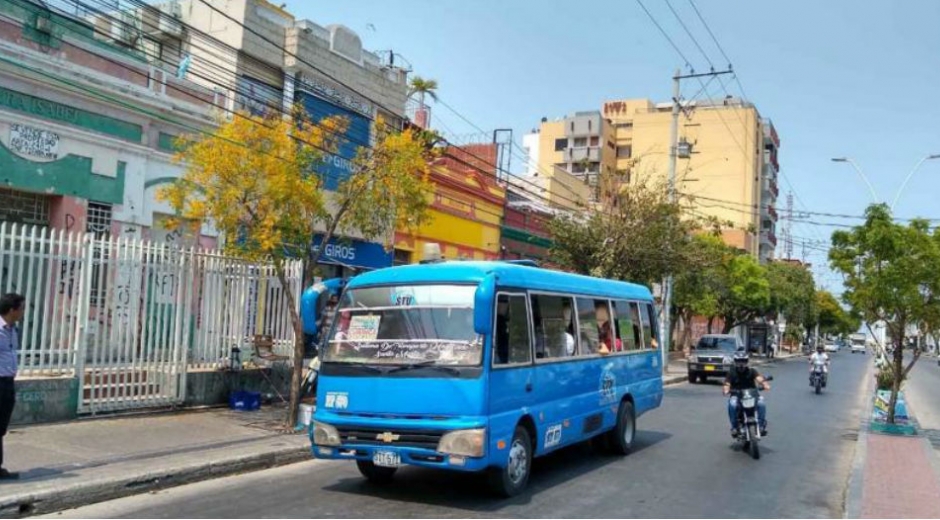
x=712, y=356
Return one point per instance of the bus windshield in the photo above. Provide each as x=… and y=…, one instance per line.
x=406, y=325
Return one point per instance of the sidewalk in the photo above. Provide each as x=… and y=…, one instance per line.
x=80, y=462
x=894, y=476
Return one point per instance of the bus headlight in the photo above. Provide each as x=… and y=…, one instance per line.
x=468, y=443
x=325, y=434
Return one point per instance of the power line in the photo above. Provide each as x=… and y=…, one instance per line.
x=710, y=33
x=345, y=137
x=688, y=32
x=665, y=34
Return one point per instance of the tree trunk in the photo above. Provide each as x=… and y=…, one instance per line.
x=687, y=318
x=711, y=322
x=897, y=372
x=729, y=324
x=298, y=358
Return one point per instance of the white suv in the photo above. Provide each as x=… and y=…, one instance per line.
x=858, y=347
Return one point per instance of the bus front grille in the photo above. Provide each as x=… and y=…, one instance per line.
x=426, y=439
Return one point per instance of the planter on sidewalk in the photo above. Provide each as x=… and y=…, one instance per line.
x=878, y=423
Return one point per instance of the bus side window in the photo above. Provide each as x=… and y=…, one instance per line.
x=624, y=325
x=588, y=327
x=553, y=320
x=637, y=324
x=607, y=343
x=648, y=319
x=512, y=341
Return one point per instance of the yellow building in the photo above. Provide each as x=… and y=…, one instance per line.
x=466, y=212
x=727, y=161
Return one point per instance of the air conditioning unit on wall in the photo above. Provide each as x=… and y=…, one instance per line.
x=43, y=24
x=129, y=32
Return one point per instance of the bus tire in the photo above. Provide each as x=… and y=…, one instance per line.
x=375, y=474
x=511, y=480
x=621, y=437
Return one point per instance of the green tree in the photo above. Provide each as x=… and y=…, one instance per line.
x=253, y=180
x=696, y=287
x=633, y=232
x=832, y=318
x=744, y=291
x=792, y=292
x=891, y=275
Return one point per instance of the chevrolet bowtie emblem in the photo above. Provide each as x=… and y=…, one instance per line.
x=387, y=437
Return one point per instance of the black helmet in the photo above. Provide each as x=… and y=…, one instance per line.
x=740, y=358
x=819, y=348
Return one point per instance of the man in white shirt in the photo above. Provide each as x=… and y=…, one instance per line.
x=820, y=358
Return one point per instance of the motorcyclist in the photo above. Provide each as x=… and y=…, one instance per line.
x=817, y=359
x=743, y=377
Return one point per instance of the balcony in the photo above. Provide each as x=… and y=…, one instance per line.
x=770, y=160
x=768, y=238
x=770, y=189
x=769, y=211
x=592, y=154
x=770, y=133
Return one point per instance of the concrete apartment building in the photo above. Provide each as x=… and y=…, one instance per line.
x=271, y=61
x=727, y=159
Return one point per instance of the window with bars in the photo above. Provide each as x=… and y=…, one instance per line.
x=98, y=223
x=99, y=219
x=20, y=207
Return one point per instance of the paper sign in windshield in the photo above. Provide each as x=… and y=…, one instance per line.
x=364, y=328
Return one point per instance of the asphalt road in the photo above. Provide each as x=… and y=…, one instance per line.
x=684, y=466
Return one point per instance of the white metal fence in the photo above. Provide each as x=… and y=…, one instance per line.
x=129, y=318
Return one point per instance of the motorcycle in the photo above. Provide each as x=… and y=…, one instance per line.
x=749, y=434
x=817, y=378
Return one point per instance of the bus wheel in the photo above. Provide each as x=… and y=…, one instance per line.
x=375, y=474
x=621, y=437
x=511, y=480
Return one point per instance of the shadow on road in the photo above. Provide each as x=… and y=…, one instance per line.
x=469, y=491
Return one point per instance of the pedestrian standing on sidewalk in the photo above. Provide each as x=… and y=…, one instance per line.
x=12, y=307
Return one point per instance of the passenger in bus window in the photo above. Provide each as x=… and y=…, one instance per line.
x=604, y=335
x=569, y=327
x=502, y=331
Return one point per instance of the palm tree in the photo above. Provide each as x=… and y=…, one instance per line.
x=423, y=87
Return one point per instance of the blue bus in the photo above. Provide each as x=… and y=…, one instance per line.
x=481, y=366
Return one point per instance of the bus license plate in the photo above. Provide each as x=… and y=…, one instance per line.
x=386, y=459
x=709, y=368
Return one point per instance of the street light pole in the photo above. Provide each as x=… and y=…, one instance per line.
x=909, y=175
x=861, y=174
x=673, y=154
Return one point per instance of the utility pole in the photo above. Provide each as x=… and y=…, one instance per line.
x=673, y=196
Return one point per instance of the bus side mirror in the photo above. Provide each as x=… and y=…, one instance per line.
x=483, y=301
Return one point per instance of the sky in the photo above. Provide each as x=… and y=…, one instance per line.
x=854, y=78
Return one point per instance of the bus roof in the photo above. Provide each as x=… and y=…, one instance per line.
x=508, y=275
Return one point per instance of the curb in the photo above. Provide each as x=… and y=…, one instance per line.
x=60, y=498
x=852, y=503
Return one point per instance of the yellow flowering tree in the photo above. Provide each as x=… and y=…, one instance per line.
x=254, y=179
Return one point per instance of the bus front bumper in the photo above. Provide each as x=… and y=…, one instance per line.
x=402, y=455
